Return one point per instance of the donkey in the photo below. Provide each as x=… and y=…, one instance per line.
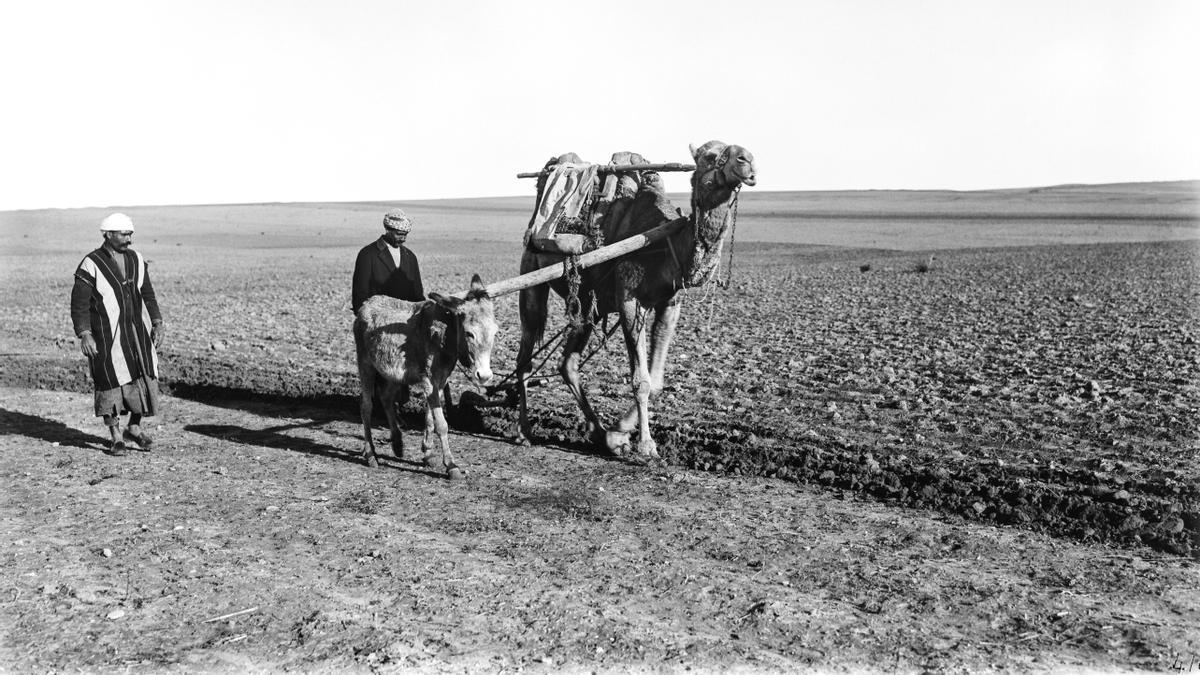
x=400, y=342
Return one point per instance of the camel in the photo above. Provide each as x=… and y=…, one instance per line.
x=634, y=284
x=421, y=343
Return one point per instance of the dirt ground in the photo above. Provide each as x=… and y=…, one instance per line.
x=543, y=560
x=917, y=432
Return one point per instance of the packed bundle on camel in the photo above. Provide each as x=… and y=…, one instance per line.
x=620, y=247
x=571, y=205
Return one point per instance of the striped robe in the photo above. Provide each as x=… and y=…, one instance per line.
x=120, y=312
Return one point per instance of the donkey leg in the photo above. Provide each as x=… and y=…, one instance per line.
x=435, y=423
x=367, y=377
x=430, y=425
x=453, y=471
x=388, y=397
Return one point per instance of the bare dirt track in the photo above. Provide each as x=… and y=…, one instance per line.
x=543, y=560
x=989, y=464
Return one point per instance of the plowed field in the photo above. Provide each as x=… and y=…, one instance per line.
x=866, y=450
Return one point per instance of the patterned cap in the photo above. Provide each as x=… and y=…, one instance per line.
x=397, y=220
x=116, y=222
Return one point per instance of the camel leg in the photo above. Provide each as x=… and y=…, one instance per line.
x=435, y=422
x=568, y=368
x=366, y=377
x=388, y=398
x=639, y=373
x=533, y=322
x=666, y=317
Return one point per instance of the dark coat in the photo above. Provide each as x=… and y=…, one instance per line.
x=375, y=273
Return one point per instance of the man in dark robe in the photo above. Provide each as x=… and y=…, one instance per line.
x=387, y=267
x=116, y=317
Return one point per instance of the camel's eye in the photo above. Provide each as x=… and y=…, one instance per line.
x=743, y=160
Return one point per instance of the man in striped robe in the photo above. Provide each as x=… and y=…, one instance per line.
x=115, y=314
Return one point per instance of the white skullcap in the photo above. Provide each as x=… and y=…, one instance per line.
x=117, y=222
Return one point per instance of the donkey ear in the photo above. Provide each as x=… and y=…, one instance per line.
x=443, y=301
x=477, y=283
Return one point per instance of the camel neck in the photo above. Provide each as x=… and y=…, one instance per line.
x=704, y=238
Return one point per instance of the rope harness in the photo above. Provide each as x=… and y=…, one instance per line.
x=590, y=226
x=574, y=306
x=573, y=275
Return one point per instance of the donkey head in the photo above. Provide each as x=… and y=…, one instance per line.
x=476, y=328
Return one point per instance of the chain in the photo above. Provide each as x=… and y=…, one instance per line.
x=592, y=227
x=732, y=233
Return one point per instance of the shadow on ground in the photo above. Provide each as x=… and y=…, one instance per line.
x=51, y=431
x=272, y=437
x=321, y=409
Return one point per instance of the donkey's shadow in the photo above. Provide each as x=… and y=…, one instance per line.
x=14, y=423
x=271, y=437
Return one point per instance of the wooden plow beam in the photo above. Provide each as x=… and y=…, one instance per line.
x=622, y=168
x=603, y=254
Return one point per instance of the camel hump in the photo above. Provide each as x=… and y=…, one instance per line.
x=565, y=158
x=626, y=157
x=622, y=185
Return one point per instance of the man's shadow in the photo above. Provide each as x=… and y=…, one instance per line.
x=319, y=408
x=271, y=437
x=13, y=423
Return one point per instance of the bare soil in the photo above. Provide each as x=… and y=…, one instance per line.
x=918, y=448
x=544, y=559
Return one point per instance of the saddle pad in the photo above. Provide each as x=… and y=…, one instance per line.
x=568, y=188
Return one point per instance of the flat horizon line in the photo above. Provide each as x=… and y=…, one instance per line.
x=1193, y=182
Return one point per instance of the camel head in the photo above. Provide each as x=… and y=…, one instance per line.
x=724, y=165
x=721, y=170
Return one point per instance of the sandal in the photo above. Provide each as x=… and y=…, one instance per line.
x=117, y=449
x=142, y=440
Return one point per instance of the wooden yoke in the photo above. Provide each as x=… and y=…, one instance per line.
x=604, y=168
x=603, y=254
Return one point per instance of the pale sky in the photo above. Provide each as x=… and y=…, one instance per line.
x=223, y=101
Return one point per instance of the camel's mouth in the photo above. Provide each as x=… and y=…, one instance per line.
x=750, y=180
